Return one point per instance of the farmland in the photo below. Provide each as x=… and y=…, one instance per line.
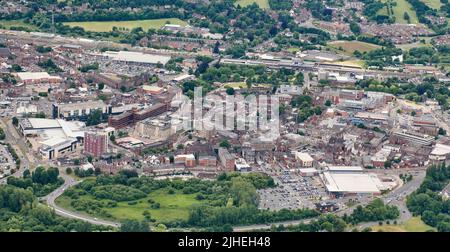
x=107, y=26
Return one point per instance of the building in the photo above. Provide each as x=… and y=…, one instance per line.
x=226, y=159
x=96, y=143
x=155, y=128
x=207, y=161
x=350, y=180
x=137, y=58
x=379, y=159
x=52, y=138
x=79, y=110
x=308, y=172
x=31, y=78
x=304, y=159
x=405, y=137
x=242, y=166
x=187, y=159
x=440, y=154
x=135, y=115
x=152, y=90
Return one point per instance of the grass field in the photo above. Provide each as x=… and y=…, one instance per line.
x=9, y=23
x=415, y=224
x=399, y=10
x=108, y=25
x=351, y=63
x=172, y=206
x=263, y=4
x=351, y=46
x=435, y=4
x=235, y=85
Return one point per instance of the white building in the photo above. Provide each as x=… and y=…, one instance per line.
x=137, y=57
x=350, y=180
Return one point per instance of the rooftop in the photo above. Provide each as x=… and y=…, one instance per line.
x=137, y=57
x=351, y=182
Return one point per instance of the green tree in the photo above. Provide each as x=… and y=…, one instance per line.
x=134, y=226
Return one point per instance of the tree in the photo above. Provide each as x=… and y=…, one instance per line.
x=406, y=17
x=327, y=103
x=225, y=144
x=387, y=164
x=94, y=118
x=69, y=170
x=216, y=47
x=230, y=91
x=101, y=86
x=134, y=226
x=2, y=134
x=442, y=131
x=15, y=121
x=354, y=27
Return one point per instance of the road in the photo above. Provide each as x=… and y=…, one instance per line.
x=19, y=146
x=50, y=201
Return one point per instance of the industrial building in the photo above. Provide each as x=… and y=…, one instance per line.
x=54, y=137
x=350, y=180
x=137, y=58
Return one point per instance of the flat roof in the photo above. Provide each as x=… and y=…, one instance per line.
x=441, y=149
x=307, y=170
x=344, y=168
x=151, y=88
x=304, y=156
x=138, y=57
x=81, y=105
x=351, y=182
x=33, y=75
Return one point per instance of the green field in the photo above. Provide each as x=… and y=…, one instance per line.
x=16, y=23
x=435, y=4
x=263, y=4
x=399, y=10
x=415, y=224
x=108, y=25
x=172, y=206
x=350, y=46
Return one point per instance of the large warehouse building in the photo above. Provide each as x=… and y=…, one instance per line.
x=137, y=57
x=350, y=180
